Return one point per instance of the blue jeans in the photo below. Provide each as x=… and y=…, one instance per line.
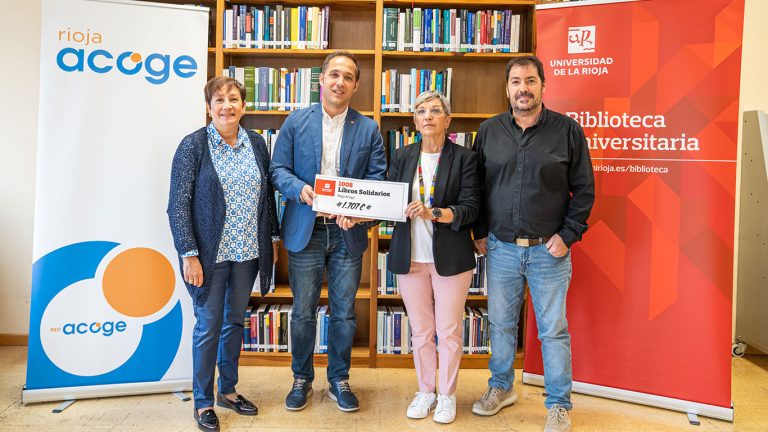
x=325, y=249
x=509, y=267
x=218, y=332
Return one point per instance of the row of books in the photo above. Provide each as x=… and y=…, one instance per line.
x=393, y=331
x=386, y=227
x=405, y=135
x=270, y=138
x=400, y=89
x=277, y=89
x=476, y=333
x=451, y=30
x=276, y=27
x=267, y=328
x=387, y=281
x=479, y=276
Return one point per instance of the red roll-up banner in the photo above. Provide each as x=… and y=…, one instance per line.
x=655, y=85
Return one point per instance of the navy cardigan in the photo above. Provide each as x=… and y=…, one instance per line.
x=196, y=209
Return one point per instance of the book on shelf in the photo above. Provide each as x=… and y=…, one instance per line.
x=451, y=30
x=400, y=89
x=247, y=329
x=479, y=285
x=321, y=330
x=276, y=27
x=277, y=89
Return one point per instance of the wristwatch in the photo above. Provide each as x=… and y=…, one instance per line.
x=436, y=213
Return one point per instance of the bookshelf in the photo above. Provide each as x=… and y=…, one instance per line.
x=358, y=26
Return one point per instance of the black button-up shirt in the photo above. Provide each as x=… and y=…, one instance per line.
x=537, y=182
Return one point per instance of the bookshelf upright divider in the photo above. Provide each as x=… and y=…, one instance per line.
x=359, y=26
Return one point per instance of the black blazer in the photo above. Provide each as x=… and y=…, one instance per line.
x=457, y=186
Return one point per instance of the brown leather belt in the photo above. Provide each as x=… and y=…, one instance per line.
x=530, y=241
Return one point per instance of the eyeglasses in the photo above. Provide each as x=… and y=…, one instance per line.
x=435, y=112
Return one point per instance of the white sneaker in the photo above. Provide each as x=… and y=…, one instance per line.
x=446, y=409
x=558, y=419
x=421, y=405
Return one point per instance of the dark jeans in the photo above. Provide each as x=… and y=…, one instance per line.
x=218, y=332
x=326, y=249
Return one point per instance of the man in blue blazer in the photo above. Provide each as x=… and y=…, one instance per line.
x=330, y=139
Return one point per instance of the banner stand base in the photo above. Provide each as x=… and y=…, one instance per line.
x=64, y=405
x=684, y=406
x=105, y=390
x=693, y=419
x=182, y=396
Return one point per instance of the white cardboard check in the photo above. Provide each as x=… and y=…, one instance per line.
x=369, y=199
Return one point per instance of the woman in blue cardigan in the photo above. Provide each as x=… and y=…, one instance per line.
x=221, y=209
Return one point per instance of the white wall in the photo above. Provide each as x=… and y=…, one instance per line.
x=19, y=77
x=754, y=64
x=754, y=91
x=19, y=82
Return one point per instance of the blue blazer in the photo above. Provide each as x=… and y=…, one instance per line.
x=196, y=209
x=296, y=161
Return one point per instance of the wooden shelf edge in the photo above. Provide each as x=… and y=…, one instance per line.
x=459, y=3
x=468, y=361
x=313, y=2
x=285, y=113
x=360, y=358
x=453, y=115
x=283, y=291
x=443, y=55
x=399, y=297
x=292, y=52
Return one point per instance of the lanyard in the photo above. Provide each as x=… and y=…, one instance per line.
x=434, y=180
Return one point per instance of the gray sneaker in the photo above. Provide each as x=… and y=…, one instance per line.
x=558, y=419
x=493, y=400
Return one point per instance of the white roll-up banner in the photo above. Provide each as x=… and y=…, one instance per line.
x=121, y=83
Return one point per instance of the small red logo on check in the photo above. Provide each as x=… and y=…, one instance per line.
x=325, y=187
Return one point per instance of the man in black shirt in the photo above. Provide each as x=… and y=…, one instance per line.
x=538, y=193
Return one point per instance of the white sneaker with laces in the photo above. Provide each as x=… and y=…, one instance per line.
x=558, y=419
x=446, y=409
x=421, y=405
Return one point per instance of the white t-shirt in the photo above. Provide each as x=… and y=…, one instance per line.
x=422, y=229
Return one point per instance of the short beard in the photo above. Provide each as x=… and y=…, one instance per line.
x=525, y=111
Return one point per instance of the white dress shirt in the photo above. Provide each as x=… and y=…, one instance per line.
x=333, y=129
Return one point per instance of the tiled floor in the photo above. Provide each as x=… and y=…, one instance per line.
x=384, y=394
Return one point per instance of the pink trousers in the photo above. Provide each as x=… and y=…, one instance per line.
x=435, y=304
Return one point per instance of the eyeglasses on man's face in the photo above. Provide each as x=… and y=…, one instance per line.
x=434, y=111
